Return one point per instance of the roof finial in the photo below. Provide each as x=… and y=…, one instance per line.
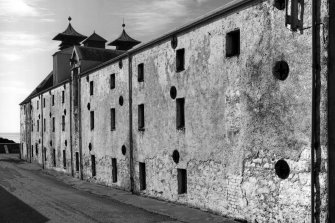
x=123, y=25
x=69, y=19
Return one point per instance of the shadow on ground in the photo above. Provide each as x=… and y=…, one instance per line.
x=13, y=210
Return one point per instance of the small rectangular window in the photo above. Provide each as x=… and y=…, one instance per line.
x=77, y=161
x=54, y=156
x=36, y=149
x=37, y=104
x=233, y=43
x=91, y=87
x=92, y=120
x=112, y=81
x=64, y=159
x=38, y=125
x=45, y=154
x=180, y=60
x=43, y=102
x=63, y=123
x=114, y=170
x=180, y=119
x=93, y=166
x=143, y=183
x=141, y=117
x=53, y=100
x=44, y=127
x=63, y=97
x=53, y=124
x=32, y=151
x=140, y=72
x=112, y=119
x=32, y=127
x=182, y=181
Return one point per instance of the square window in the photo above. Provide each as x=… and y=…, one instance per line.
x=180, y=119
x=182, y=181
x=54, y=156
x=92, y=120
x=140, y=72
x=143, y=184
x=233, y=43
x=77, y=161
x=112, y=119
x=114, y=170
x=94, y=173
x=180, y=60
x=53, y=124
x=112, y=81
x=64, y=159
x=91, y=87
x=63, y=97
x=63, y=123
x=141, y=117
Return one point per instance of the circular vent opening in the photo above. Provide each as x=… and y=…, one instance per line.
x=282, y=169
x=173, y=92
x=124, y=150
x=175, y=156
x=279, y=4
x=281, y=70
x=174, y=42
x=121, y=100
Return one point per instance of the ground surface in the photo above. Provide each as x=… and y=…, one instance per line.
x=29, y=195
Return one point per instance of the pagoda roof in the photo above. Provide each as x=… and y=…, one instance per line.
x=94, y=37
x=124, y=38
x=69, y=33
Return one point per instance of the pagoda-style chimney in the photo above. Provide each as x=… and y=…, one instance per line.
x=69, y=37
x=124, y=41
x=95, y=40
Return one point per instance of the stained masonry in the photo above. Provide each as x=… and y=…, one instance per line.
x=242, y=146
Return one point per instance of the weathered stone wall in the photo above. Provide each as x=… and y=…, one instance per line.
x=239, y=119
x=23, y=132
x=35, y=134
x=61, y=140
x=55, y=139
x=106, y=144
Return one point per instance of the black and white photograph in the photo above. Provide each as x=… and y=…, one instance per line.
x=167, y=111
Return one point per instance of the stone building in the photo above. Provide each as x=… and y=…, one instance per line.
x=223, y=114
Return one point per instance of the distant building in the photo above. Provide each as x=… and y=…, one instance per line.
x=223, y=113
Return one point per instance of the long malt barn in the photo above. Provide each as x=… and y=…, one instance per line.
x=224, y=113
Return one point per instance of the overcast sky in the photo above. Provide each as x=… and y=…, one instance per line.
x=28, y=26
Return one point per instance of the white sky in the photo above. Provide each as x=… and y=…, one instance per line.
x=28, y=26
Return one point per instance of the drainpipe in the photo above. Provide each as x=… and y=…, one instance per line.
x=42, y=132
x=131, y=154
x=331, y=111
x=70, y=113
x=315, y=98
x=78, y=79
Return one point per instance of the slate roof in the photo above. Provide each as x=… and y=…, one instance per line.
x=96, y=54
x=69, y=33
x=45, y=84
x=94, y=37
